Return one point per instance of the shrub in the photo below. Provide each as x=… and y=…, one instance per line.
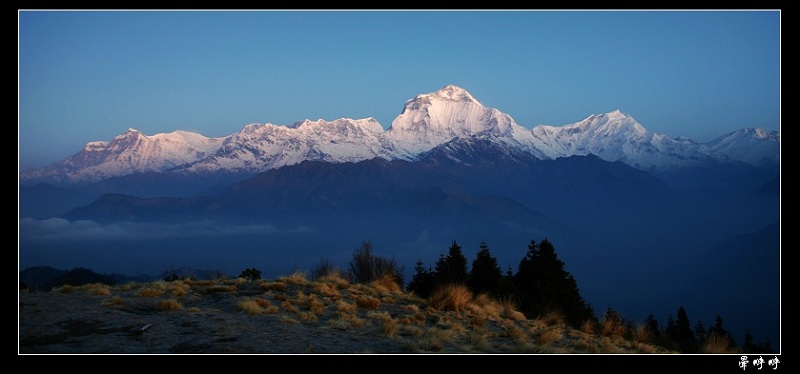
x=250, y=274
x=366, y=267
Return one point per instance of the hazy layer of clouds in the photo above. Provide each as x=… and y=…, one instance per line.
x=58, y=228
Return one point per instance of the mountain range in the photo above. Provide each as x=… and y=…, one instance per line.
x=427, y=121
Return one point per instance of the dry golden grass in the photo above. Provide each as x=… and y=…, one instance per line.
x=388, y=325
x=589, y=326
x=280, y=297
x=307, y=317
x=435, y=339
x=368, y=302
x=336, y=280
x=612, y=328
x=347, y=321
x=178, y=288
x=250, y=306
x=130, y=285
x=113, y=300
x=716, y=344
x=289, y=307
x=169, y=305
x=194, y=310
x=97, y=288
x=549, y=335
x=221, y=289
x=478, y=338
x=200, y=282
x=327, y=290
x=264, y=303
x=450, y=297
x=343, y=306
x=477, y=321
x=67, y=288
x=273, y=286
x=386, y=284
x=152, y=289
x=296, y=278
x=640, y=333
x=289, y=320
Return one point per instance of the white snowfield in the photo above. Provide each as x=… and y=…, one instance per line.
x=427, y=121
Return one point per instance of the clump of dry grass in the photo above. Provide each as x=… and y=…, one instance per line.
x=345, y=307
x=200, y=282
x=129, y=286
x=327, y=289
x=278, y=286
x=152, y=289
x=589, y=326
x=612, y=327
x=435, y=339
x=67, y=288
x=307, y=317
x=386, y=284
x=97, y=288
x=714, y=343
x=450, y=297
x=221, y=289
x=289, y=320
x=169, y=305
x=250, y=306
x=549, y=335
x=346, y=321
x=113, y=300
x=478, y=338
x=368, y=302
x=388, y=324
x=296, y=278
x=315, y=305
x=289, y=307
x=178, y=288
x=335, y=279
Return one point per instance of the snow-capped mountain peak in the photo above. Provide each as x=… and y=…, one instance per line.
x=435, y=118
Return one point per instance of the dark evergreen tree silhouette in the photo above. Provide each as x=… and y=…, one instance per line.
x=651, y=326
x=684, y=340
x=485, y=275
x=423, y=281
x=700, y=332
x=543, y=286
x=452, y=269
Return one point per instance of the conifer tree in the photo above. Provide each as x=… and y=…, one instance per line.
x=544, y=286
x=423, y=280
x=452, y=269
x=485, y=275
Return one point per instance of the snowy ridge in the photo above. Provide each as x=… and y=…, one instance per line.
x=128, y=153
x=450, y=117
x=262, y=147
x=615, y=136
x=753, y=146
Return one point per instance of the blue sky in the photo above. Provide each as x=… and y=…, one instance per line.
x=90, y=75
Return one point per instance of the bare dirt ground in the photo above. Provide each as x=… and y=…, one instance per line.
x=280, y=317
